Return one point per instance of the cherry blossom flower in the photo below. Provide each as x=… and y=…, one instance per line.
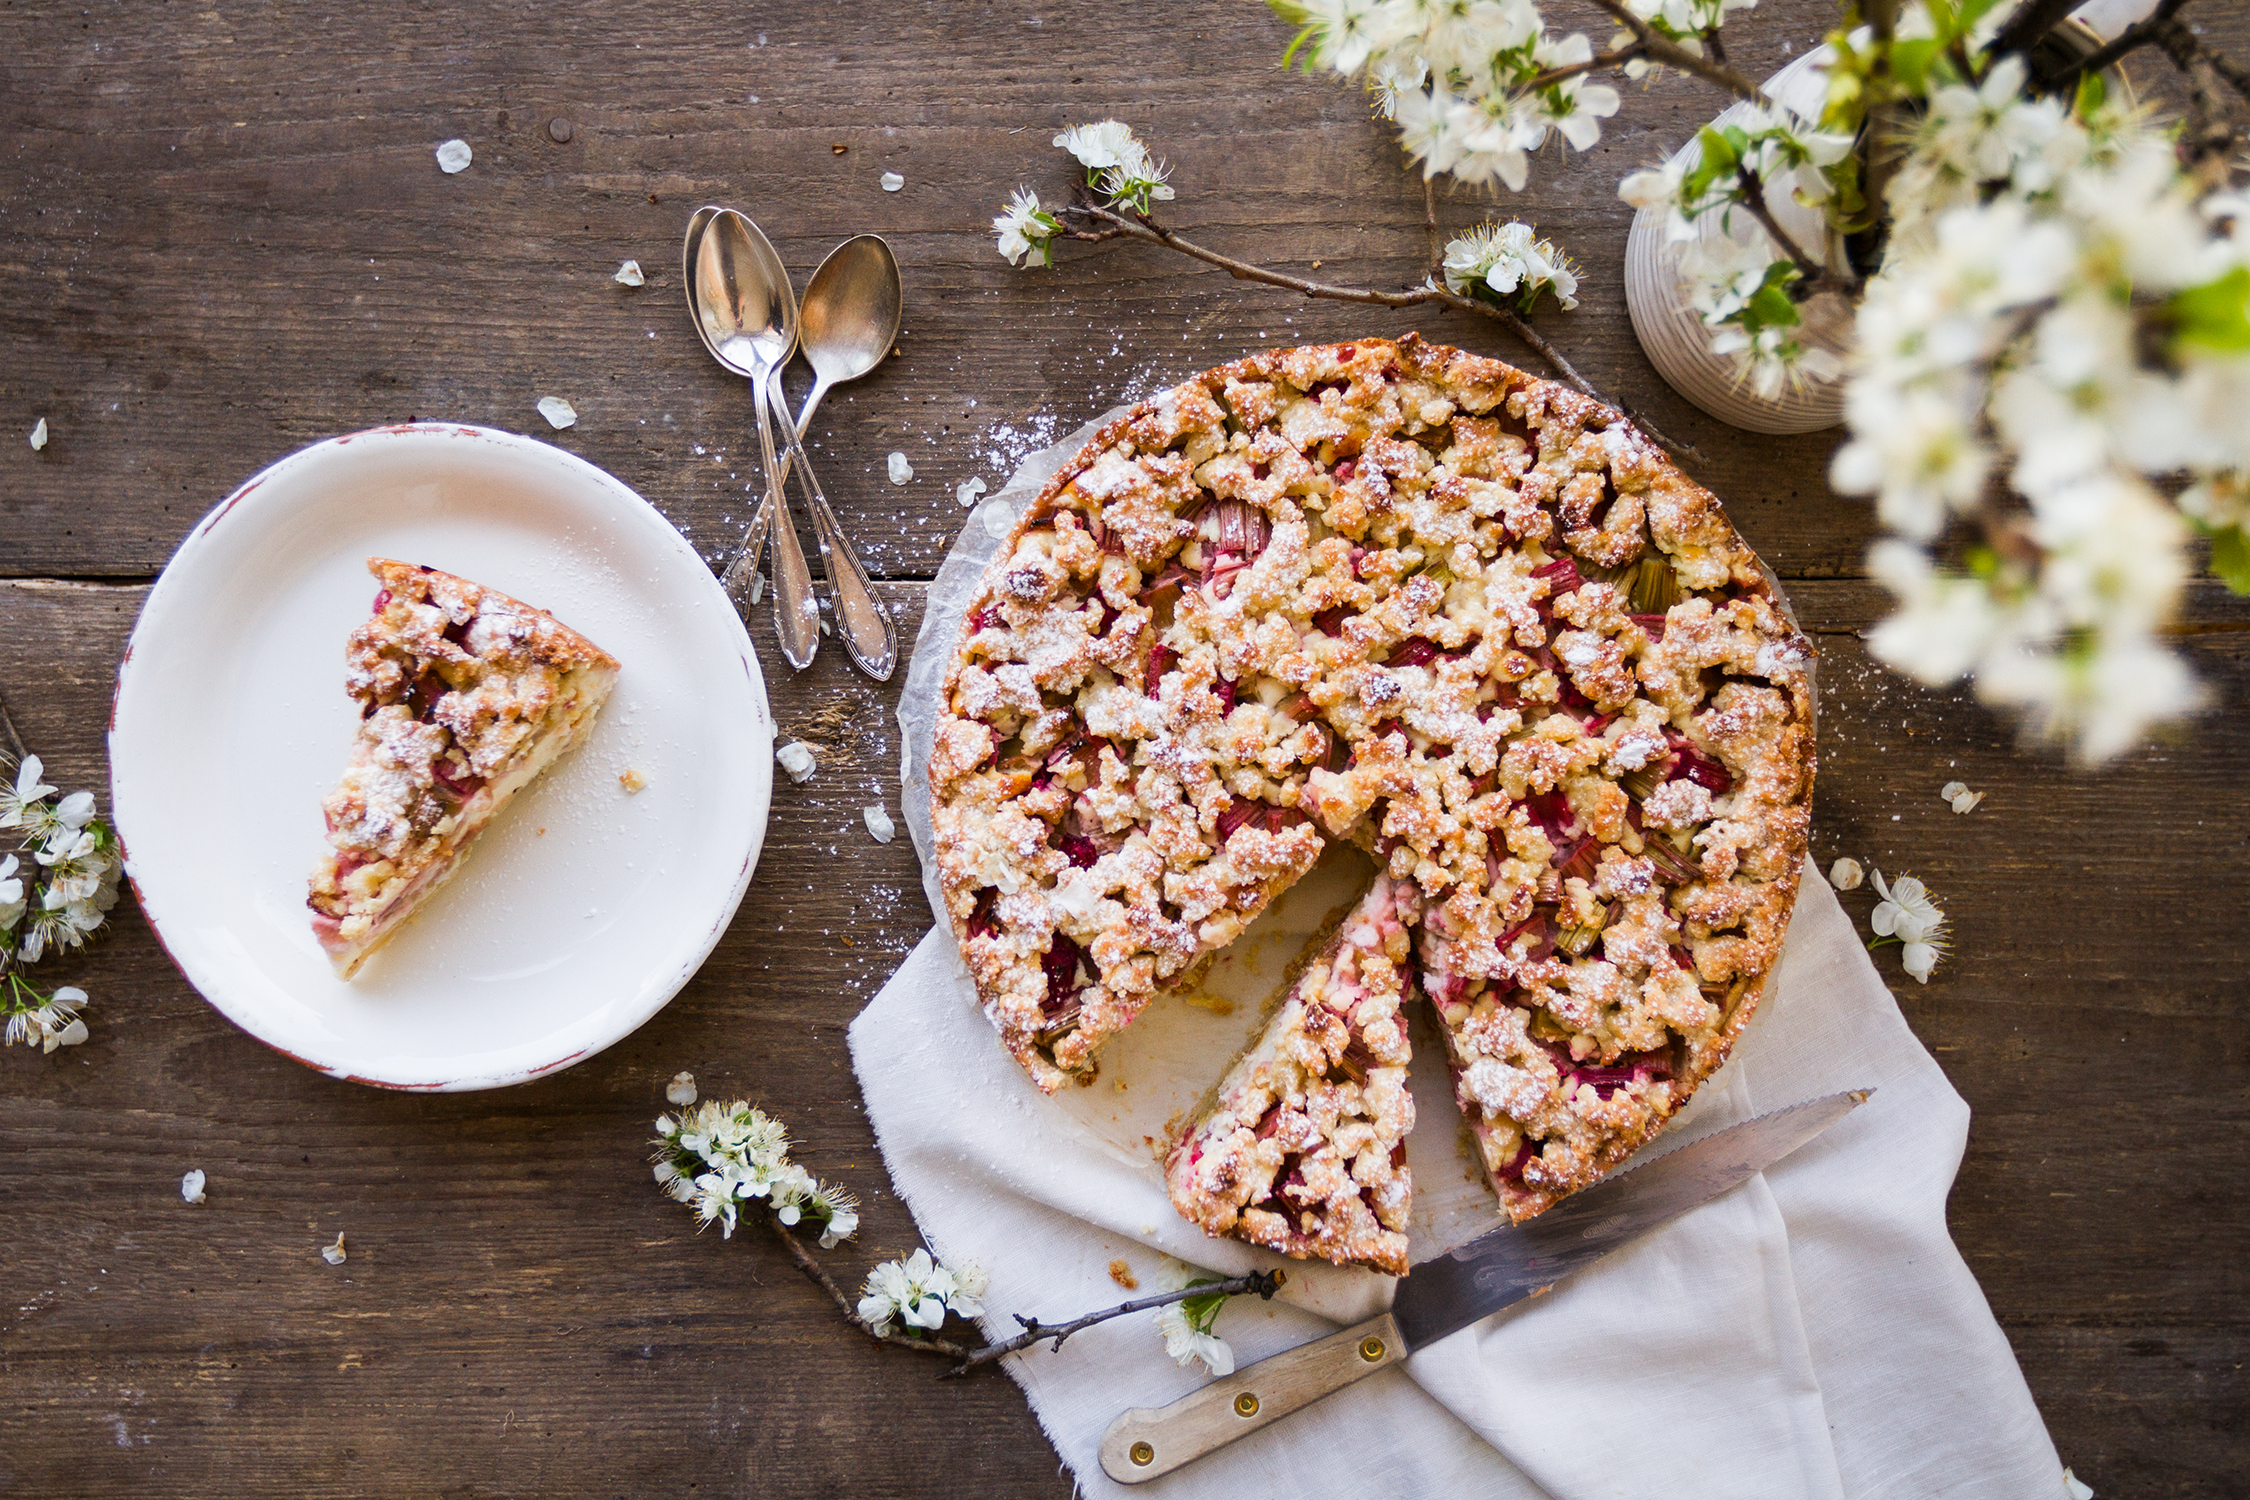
x=1025, y=230
x=1907, y=916
x=717, y=1158
x=919, y=1291
x=1186, y=1325
x=1513, y=262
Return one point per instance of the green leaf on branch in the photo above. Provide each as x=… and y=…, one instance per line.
x=1911, y=62
x=1770, y=306
x=2230, y=559
x=2092, y=94
x=1719, y=158
x=1203, y=1311
x=2215, y=315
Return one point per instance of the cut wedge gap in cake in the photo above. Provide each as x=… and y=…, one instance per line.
x=1303, y=1149
x=466, y=696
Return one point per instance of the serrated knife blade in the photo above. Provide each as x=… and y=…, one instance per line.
x=1448, y=1292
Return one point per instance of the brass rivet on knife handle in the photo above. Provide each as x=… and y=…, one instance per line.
x=1144, y=1443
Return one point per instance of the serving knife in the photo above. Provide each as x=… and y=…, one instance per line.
x=1447, y=1293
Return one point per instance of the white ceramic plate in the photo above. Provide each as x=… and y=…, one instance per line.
x=584, y=908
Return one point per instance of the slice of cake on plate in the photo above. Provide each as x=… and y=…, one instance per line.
x=1303, y=1149
x=465, y=696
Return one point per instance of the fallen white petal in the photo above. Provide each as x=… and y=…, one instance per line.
x=558, y=412
x=901, y=470
x=630, y=274
x=2078, y=1488
x=796, y=758
x=1846, y=875
x=1952, y=789
x=892, y=182
x=191, y=1186
x=968, y=491
x=681, y=1090
x=1966, y=801
x=453, y=156
x=334, y=1254
x=39, y=433
x=879, y=823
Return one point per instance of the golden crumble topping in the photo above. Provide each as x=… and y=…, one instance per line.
x=1398, y=594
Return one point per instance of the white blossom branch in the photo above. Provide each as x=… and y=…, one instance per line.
x=1256, y=1283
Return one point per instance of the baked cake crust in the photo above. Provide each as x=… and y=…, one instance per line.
x=1404, y=595
x=465, y=696
x=1303, y=1149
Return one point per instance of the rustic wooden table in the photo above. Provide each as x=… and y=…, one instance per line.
x=224, y=237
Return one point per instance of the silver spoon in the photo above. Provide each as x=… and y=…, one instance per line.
x=741, y=571
x=850, y=321
x=747, y=313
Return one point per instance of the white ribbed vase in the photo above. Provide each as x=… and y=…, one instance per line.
x=1673, y=335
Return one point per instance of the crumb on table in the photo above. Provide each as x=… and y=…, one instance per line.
x=1122, y=1274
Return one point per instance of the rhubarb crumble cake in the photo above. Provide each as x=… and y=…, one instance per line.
x=1303, y=1148
x=1400, y=595
x=465, y=696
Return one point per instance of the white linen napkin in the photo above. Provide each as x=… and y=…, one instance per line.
x=1813, y=1333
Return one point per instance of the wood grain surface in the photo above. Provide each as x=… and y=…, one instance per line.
x=224, y=236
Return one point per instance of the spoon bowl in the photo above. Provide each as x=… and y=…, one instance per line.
x=851, y=311
x=746, y=312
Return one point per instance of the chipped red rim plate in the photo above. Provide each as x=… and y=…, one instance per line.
x=584, y=908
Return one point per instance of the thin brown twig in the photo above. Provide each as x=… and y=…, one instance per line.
x=1256, y=1283
x=1141, y=227
x=1598, y=61
x=1817, y=276
x=1754, y=201
x=2209, y=138
x=2140, y=34
x=8, y=726
x=1659, y=48
x=1877, y=161
x=2028, y=25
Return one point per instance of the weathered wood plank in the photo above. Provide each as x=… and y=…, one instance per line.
x=228, y=239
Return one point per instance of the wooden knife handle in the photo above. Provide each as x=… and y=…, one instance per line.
x=1144, y=1443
